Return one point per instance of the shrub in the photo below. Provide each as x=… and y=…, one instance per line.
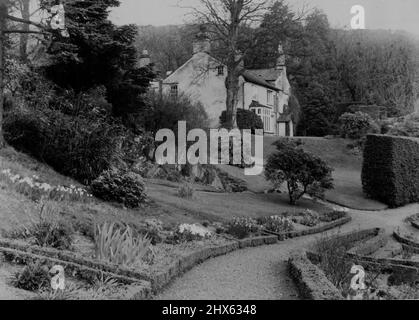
x=33, y=277
x=356, y=125
x=309, y=218
x=332, y=216
x=277, y=224
x=390, y=172
x=332, y=253
x=186, y=191
x=116, y=185
x=165, y=113
x=408, y=127
x=299, y=169
x=74, y=146
x=242, y=227
x=120, y=247
x=188, y=233
x=246, y=119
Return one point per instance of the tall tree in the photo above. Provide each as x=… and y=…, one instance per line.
x=98, y=53
x=225, y=19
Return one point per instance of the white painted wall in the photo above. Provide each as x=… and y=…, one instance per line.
x=199, y=79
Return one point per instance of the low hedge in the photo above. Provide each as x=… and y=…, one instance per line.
x=390, y=172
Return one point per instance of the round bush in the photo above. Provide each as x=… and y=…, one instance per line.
x=357, y=125
x=127, y=188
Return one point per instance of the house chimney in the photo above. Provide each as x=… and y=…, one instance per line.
x=144, y=59
x=280, y=62
x=202, y=42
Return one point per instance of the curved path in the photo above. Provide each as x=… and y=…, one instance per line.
x=261, y=273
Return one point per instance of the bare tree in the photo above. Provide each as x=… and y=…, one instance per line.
x=231, y=23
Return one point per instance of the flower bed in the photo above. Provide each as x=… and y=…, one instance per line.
x=36, y=189
x=389, y=278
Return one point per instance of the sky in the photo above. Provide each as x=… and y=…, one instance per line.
x=379, y=14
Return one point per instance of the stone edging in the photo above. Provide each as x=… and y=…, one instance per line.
x=311, y=281
x=397, y=235
x=304, y=270
x=137, y=289
x=25, y=253
x=294, y=234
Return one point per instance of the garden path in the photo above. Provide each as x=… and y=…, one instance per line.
x=261, y=273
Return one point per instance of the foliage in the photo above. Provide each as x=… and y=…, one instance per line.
x=309, y=218
x=99, y=53
x=74, y=146
x=165, y=113
x=331, y=216
x=51, y=230
x=277, y=224
x=299, y=169
x=357, y=125
x=241, y=227
x=390, y=172
x=186, y=191
x=406, y=127
x=36, y=190
x=246, y=120
x=123, y=187
x=33, y=277
x=120, y=247
x=332, y=252
x=189, y=233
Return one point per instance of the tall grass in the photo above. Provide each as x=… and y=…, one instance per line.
x=120, y=247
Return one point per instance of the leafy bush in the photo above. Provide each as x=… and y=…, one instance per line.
x=51, y=230
x=242, y=227
x=331, y=216
x=246, y=119
x=74, y=146
x=299, y=169
x=408, y=127
x=186, y=191
x=165, y=113
x=309, y=218
x=188, y=233
x=34, y=277
x=390, y=172
x=123, y=187
x=277, y=224
x=357, y=125
x=120, y=247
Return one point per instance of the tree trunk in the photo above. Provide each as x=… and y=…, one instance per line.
x=25, y=27
x=3, y=15
x=232, y=86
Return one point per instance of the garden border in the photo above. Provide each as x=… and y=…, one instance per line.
x=157, y=282
x=303, y=270
x=311, y=281
x=138, y=289
x=295, y=234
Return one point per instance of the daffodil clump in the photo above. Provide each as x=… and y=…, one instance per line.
x=34, y=188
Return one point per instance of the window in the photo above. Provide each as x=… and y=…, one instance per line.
x=270, y=98
x=220, y=70
x=174, y=91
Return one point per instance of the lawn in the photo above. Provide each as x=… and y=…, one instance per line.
x=347, y=174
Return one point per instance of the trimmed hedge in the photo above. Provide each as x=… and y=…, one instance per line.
x=390, y=173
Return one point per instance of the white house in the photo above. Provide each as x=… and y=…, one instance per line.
x=266, y=92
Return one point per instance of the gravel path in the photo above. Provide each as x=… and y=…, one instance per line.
x=260, y=273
